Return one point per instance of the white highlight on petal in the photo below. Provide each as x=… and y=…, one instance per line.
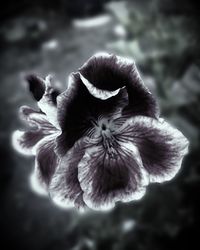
x=92, y=22
x=36, y=186
x=70, y=82
x=98, y=93
x=51, y=112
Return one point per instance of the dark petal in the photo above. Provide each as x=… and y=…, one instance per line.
x=106, y=179
x=161, y=146
x=77, y=110
x=141, y=101
x=65, y=188
x=110, y=72
x=54, y=95
x=36, y=86
x=25, y=142
x=46, y=159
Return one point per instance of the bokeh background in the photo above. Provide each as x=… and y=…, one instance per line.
x=57, y=37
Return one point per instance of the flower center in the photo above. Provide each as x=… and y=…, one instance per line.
x=105, y=129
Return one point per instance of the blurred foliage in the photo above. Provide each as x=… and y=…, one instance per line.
x=166, y=49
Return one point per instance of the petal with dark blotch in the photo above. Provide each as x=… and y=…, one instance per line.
x=46, y=160
x=25, y=141
x=65, y=188
x=109, y=72
x=161, y=146
x=78, y=110
x=106, y=178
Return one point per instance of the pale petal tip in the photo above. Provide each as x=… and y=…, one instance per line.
x=104, y=207
x=98, y=93
x=102, y=54
x=16, y=141
x=61, y=202
x=48, y=81
x=36, y=186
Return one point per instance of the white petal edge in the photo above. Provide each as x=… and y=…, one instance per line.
x=98, y=93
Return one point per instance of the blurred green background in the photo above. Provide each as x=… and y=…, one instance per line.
x=56, y=37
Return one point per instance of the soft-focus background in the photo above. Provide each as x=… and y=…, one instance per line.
x=57, y=37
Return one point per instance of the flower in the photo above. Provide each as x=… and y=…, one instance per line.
x=101, y=140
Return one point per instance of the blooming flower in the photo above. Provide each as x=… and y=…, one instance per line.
x=101, y=140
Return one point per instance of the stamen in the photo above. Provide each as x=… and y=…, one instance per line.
x=103, y=129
